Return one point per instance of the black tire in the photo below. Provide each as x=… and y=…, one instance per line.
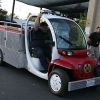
x=1, y=58
x=60, y=79
x=96, y=74
x=97, y=71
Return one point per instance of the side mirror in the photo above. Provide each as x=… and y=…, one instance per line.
x=50, y=42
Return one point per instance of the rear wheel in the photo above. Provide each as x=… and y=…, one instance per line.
x=1, y=57
x=58, y=82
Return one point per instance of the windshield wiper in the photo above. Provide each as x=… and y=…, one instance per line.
x=68, y=41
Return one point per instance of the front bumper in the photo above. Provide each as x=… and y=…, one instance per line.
x=75, y=85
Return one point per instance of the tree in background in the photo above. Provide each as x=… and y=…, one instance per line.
x=3, y=14
x=32, y=18
x=28, y=15
x=82, y=20
x=73, y=15
x=14, y=16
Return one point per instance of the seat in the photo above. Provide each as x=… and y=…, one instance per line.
x=49, y=34
x=31, y=49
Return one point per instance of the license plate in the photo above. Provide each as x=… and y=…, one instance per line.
x=90, y=83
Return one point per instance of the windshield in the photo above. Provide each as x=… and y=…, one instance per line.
x=68, y=34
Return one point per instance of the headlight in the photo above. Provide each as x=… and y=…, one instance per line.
x=88, y=52
x=69, y=53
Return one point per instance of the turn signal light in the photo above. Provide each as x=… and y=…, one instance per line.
x=64, y=53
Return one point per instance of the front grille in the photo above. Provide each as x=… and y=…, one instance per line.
x=75, y=85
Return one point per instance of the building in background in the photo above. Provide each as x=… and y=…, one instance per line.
x=0, y=4
x=93, y=17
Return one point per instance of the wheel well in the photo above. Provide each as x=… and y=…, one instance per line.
x=68, y=71
x=1, y=54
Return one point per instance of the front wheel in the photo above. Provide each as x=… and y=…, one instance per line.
x=97, y=74
x=97, y=71
x=58, y=82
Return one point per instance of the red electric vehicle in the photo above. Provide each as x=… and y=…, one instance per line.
x=70, y=67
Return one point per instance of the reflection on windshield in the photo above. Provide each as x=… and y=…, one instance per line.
x=68, y=34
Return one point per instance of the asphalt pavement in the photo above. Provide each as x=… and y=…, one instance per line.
x=19, y=84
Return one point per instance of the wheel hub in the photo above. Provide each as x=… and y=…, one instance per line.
x=55, y=82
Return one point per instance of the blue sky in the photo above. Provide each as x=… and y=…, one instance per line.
x=20, y=10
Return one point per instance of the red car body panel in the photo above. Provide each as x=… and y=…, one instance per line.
x=72, y=62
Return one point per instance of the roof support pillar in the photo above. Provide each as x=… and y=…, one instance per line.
x=12, y=10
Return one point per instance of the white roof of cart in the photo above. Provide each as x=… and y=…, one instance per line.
x=50, y=16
